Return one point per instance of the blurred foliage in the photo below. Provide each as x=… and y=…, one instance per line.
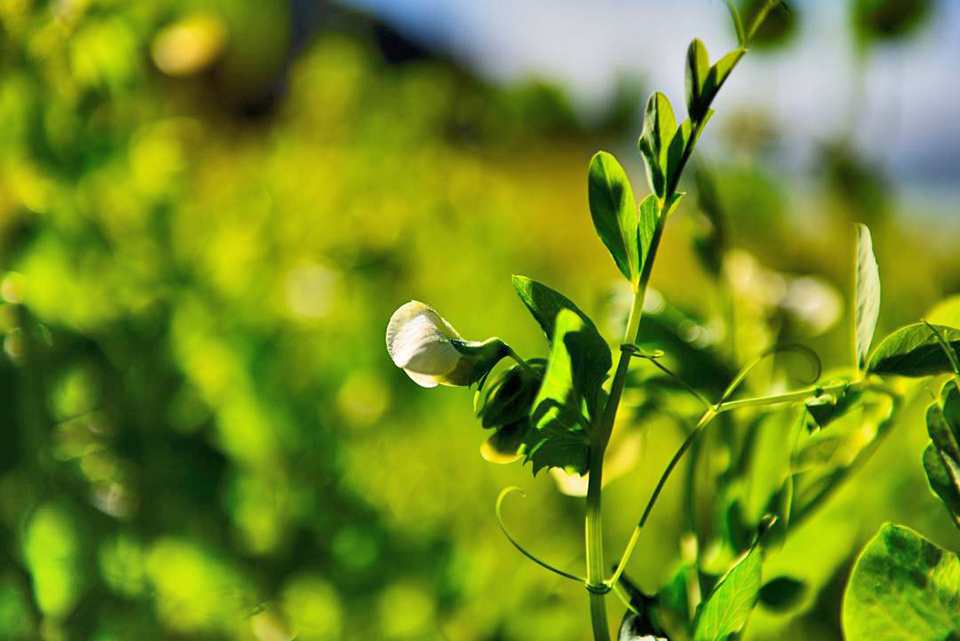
x=205, y=222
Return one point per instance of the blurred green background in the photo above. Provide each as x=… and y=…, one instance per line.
x=209, y=210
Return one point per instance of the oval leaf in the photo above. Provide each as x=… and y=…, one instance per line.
x=659, y=125
x=868, y=294
x=914, y=351
x=569, y=397
x=545, y=303
x=614, y=212
x=729, y=605
x=903, y=588
x=698, y=67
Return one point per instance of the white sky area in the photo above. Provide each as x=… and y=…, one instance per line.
x=910, y=120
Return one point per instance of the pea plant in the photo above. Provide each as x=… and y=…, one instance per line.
x=559, y=412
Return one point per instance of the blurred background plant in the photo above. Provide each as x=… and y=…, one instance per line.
x=209, y=210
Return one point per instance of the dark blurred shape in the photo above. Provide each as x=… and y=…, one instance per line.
x=860, y=188
x=777, y=30
x=889, y=20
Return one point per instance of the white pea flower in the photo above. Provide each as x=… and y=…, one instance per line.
x=431, y=352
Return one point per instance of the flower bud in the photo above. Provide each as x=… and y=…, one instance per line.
x=431, y=352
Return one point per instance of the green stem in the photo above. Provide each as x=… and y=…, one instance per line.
x=594, y=542
x=708, y=416
x=521, y=362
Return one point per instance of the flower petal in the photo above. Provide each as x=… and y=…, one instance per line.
x=423, y=380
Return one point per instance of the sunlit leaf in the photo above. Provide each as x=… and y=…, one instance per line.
x=659, y=125
x=503, y=446
x=729, y=605
x=868, y=294
x=647, y=224
x=718, y=75
x=614, y=211
x=568, y=398
x=903, y=588
x=913, y=351
x=942, y=478
x=545, y=303
x=509, y=397
x=698, y=67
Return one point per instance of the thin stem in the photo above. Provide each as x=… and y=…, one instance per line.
x=708, y=416
x=758, y=20
x=506, y=533
x=799, y=395
x=594, y=543
x=520, y=361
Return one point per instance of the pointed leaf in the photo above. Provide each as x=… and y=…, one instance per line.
x=913, y=351
x=614, y=211
x=941, y=433
x=545, y=303
x=659, y=125
x=698, y=67
x=651, y=159
x=568, y=398
x=903, y=588
x=719, y=74
x=943, y=474
x=677, y=153
x=503, y=446
x=729, y=605
x=868, y=294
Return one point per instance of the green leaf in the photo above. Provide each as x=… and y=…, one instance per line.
x=782, y=594
x=729, y=605
x=503, y=446
x=614, y=212
x=510, y=397
x=903, y=588
x=568, y=399
x=647, y=224
x=638, y=628
x=648, y=215
x=913, y=351
x=698, y=67
x=545, y=303
x=659, y=125
x=868, y=294
x=943, y=479
x=950, y=403
x=718, y=75
x=945, y=438
x=677, y=153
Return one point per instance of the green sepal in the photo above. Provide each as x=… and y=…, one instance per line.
x=482, y=357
